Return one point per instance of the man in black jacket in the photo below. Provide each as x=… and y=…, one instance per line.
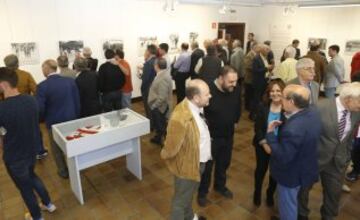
x=196, y=54
x=111, y=81
x=87, y=83
x=222, y=115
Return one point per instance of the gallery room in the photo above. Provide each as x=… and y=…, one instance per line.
x=179, y=109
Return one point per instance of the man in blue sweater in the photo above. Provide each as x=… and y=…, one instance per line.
x=293, y=162
x=58, y=99
x=19, y=130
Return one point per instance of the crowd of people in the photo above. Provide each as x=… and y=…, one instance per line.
x=299, y=137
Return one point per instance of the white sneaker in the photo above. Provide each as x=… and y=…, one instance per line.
x=346, y=188
x=195, y=217
x=50, y=207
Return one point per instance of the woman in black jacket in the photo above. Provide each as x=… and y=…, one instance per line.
x=269, y=109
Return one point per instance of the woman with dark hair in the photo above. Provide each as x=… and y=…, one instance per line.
x=269, y=109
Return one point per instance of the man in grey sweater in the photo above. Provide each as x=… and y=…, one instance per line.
x=160, y=99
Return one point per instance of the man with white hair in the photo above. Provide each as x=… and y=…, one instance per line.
x=237, y=59
x=339, y=118
x=306, y=73
x=287, y=69
x=92, y=62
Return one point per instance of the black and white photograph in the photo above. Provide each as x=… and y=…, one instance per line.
x=193, y=37
x=352, y=46
x=143, y=42
x=71, y=48
x=28, y=53
x=174, y=42
x=322, y=42
x=113, y=45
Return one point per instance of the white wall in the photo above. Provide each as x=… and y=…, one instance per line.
x=335, y=24
x=93, y=21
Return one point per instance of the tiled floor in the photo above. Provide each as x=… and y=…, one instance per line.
x=111, y=192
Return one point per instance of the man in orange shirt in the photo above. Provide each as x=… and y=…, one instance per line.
x=127, y=88
x=26, y=85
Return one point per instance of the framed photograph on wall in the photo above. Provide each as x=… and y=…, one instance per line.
x=143, y=42
x=113, y=45
x=321, y=41
x=352, y=46
x=174, y=43
x=71, y=48
x=193, y=36
x=27, y=53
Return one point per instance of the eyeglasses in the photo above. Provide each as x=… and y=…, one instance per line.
x=309, y=68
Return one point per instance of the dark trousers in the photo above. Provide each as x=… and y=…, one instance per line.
x=331, y=181
x=145, y=95
x=180, y=80
x=112, y=101
x=355, y=155
x=58, y=155
x=257, y=96
x=262, y=164
x=221, y=150
x=159, y=121
x=23, y=175
x=248, y=96
x=41, y=148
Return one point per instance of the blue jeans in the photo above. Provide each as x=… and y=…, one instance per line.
x=330, y=92
x=25, y=179
x=126, y=100
x=287, y=202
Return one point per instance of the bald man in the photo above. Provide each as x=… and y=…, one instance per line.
x=187, y=148
x=293, y=162
x=58, y=99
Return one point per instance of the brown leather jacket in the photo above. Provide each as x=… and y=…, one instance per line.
x=181, y=149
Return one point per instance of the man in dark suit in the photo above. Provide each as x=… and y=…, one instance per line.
x=87, y=83
x=306, y=73
x=58, y=99
x=339, y=118
x=196, y=54
x=251, y=41
x=260, y=67
x=111, y=81
x=148, y=77
x=293, y=162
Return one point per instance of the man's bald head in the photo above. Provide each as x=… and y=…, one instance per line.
x=197, y=91
x=299, y=95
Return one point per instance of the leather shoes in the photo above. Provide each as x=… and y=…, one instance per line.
x=257, y=199
x=202, y=201
x=300, y=217
x=270, y=201
x=226, y=193
x=274, y=218
x=200, y=217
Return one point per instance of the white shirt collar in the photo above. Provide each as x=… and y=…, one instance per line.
x=340, y=107
x=53, y=73
x=195, y=108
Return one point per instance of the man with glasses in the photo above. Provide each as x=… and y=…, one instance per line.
x=305, y=69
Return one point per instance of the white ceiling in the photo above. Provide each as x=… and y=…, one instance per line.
x=274, y=2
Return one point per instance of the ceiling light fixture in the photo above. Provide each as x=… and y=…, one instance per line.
x=328, y=5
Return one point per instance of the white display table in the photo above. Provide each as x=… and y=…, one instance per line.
x=121, y=139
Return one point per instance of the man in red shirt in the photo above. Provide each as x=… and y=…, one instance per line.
x=127, y=88
x=355, y=65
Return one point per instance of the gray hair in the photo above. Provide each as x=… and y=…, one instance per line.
x=11, y=61
x=81, y=64
x=350, y=90
x=87, y=52
x=195, y=44
x=290, y=52
x=304, y=62
x=223, y=42
x=236, y=43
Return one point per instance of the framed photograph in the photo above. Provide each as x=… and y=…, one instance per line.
x=174, y=43
x=27, y=53
x=143, y=42
x=71, y=48
x=193, y=36
x=113, y=45
x=322, y=42
x=352, y=46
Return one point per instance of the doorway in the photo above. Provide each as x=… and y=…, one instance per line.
x=231, y=32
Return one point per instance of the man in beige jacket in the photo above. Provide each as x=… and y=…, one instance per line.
x=187, y=148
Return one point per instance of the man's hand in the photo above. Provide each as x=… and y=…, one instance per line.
x=267, y=148
x=274, y=124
